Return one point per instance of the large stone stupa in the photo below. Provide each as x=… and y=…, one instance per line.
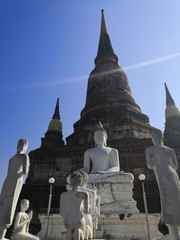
x=109, y=100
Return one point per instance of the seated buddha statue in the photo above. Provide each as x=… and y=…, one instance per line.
x=105, y=160
x=114, y=187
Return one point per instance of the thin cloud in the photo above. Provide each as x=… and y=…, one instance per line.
x=46, y=84
x=153, y=61
x=85, y=77
x=68, y=80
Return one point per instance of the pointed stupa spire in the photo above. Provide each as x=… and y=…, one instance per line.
x=171, y=109
x=105, y=50
x=169, y=99
x=103, y=23
x=55, y=124
x=56, y=111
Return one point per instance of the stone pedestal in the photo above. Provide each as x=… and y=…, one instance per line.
x=109, y=227
x=115, y=193
x=131, y=227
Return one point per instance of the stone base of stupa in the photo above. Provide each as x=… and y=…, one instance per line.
x=109, y=227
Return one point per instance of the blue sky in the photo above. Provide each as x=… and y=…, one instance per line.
x=47, y=50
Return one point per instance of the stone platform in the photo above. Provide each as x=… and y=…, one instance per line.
x=116, y=193
x=109, y=227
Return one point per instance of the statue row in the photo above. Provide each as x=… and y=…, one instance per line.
x=105, y=169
